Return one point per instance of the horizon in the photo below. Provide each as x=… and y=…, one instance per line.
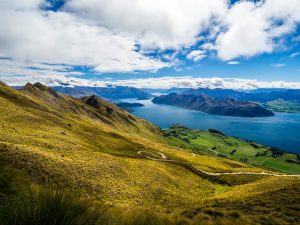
x=157, y=44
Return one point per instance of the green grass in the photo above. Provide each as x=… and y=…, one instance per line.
x=283, y=106
x=206, y=142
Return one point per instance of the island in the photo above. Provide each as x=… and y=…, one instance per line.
x=218, y=106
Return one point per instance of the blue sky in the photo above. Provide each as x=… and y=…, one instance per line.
x=96, y=42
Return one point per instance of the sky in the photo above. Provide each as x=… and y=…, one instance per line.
x=240, y=44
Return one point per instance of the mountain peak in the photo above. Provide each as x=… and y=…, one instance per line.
x=39, y=87
x=92, y=101
x=28, y=86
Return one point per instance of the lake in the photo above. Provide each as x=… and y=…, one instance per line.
x=282, y=130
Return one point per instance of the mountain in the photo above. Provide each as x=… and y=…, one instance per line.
x=219, y=106
x=165, y=91
x=260, y=95
x=132, y=170
x=111, y=92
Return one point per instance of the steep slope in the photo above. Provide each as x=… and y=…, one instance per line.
x=62, y=140
x=220, y=106
x=91, y=106
x=119, y=159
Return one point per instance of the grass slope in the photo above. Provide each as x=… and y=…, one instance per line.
x=214, y=143
x=64, y=141
x=93, y=146
x=281, y=105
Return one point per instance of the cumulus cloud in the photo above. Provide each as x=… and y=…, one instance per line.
x=155, y=24
x=196, y=55
x=214, y=82
x=170, y=82
x=28, y=33
x=18, y=73
x=121, y=35
x=251, y=28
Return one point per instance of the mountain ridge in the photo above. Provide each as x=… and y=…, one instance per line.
x=110, y=92
x=62, y=141
x=219, y=106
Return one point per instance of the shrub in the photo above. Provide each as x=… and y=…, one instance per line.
x=152, y=218
x=10, y=182
x=48, y=206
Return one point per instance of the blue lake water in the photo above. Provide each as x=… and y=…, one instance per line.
x=282, y=130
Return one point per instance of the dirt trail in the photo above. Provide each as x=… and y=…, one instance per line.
x=158, y=156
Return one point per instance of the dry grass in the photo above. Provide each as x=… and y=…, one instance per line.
x=62, y=141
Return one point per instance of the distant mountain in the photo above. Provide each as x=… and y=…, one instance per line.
x=165, y=91
x=260, y=95
x=219, y=106
x=112, y=92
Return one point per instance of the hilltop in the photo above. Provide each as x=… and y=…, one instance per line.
x=127, y=163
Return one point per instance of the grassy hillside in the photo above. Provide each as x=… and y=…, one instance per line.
x=281, y=105
x=94, y=147
x=215, y=143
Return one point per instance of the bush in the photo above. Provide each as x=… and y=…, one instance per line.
x=9, y=183
x=48, y=206
x=22, y=204
x=152, y=218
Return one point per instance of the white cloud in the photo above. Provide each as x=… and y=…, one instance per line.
x=196, y=55
x=251, y=28
x=116, y=35
x=65, y=78
x=29, y=34
x=215, y=82
x=295, y=54
x=156, y=23
x=233, y=62
x=279, y=65
x=180, y=82
x=18, y=73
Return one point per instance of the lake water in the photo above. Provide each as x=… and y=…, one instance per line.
x=282, y=130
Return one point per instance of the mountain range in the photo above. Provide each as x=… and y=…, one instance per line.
x=255, y=96
x=131, y=169
x=110, y=92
